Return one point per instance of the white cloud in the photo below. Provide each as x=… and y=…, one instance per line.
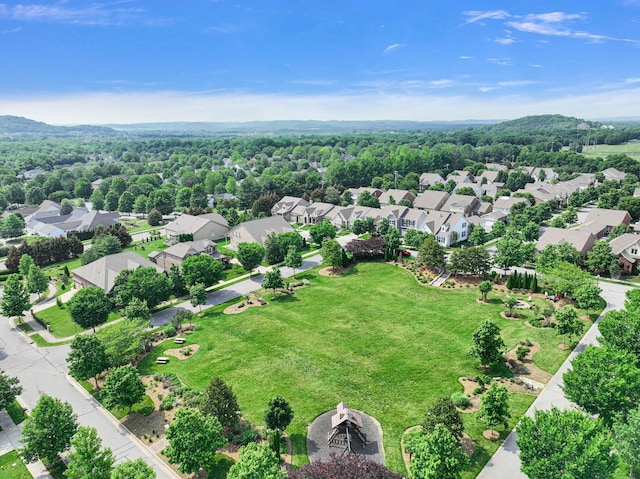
x=516, y=83
x=465, y=57
x=95, y=14
x=500, y=61
x=540, y=28
x=505, y=41
x=393, y=47
x=441, y=83
x=474, y=16
x=100, y=108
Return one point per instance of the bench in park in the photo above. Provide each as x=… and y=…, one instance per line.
x=179, y=340
x=162, y=360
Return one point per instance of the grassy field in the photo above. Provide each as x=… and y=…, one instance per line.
x=60, y=323
x=12, y=467
x=631, y=149
x=374, y=338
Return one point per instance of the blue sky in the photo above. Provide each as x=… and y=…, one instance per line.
x=125, y=61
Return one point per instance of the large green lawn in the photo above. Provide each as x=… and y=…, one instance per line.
x=631, y=149
x=374, y=338
x=12, y=467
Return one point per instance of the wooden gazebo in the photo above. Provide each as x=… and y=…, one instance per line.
x=346, y=425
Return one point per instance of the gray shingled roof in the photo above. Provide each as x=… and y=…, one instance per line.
x=103, y=271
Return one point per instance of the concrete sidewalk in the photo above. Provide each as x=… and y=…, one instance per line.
x=10, y=440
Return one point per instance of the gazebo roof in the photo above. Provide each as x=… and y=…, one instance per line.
x=345, y=414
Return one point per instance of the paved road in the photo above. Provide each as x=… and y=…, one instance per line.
x=506, y=460
x=43, y=371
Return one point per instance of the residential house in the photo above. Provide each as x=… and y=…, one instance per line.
x=613, y=174
x=466, y=205
x=496, y=166
x=627, y=248
x=103, y=271
x=78, y=221
x=489, y=175
x=31, y=174
x=316, y=212
x=218, y=197
x=536, y=173
x=211, y=226
x=581, y=240
x=600, y=221
x=429, y=179
x=393, y=196
x=460, y=176
x=443, y=225
x=286, y=206
x=347, y=215
x=356, y=192
x=504, y=203
x=256, y=231
x=543, y=192
x=431, y=200
x=488, y=220
x=177, y=253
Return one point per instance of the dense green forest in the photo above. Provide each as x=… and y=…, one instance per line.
x=165, y=173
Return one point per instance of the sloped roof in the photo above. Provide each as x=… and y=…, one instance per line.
x=103, y=271
x=191, y=224
x=344, y=414
x=580, y=240
x=258, y=230
x=624, y=241
x=431, y=200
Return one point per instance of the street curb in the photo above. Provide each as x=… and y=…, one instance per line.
x=119, y=425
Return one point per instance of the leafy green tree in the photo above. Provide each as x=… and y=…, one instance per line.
x=277, y=417
x=137, y=469
x=498, y=229
x=488, y=345
x=193, y=440
x=250, y=255
x=66, y=207
x=48, y=430
x=15, y=298
x=125, y=202
x=603, y=381
x=87, y=358
x=511, y=302
x=331, y=253
x=587, y=296
x=89, y=307
x=123, y=387
x=347, y=466
x=97, y=200
x=12, y=226
x=106, y=244
x=600, y=258
x=565, y=278
x=37, y=282
x=178, y=284
x=568, y=323
x=88, y=460
x=9, y=389
x=26, y=261
x=485, y=288
x=137, y=310
x=413, y=238
x=368, y=200
x=432, y=254
x=203, y=269
x=494, y=408
x=392, y=242
x=124, y=340
x=256, y=462
x=154, y=218
x=272, y=251
x=626, y=432
x=478, y=236
x=509, y=251
x=273, y=280
x=443, y=411
x=621, y=329
x=437, y=455
x=146, y=284
x=199, y=295
x=221, y=402
x=321, y=231
x=293, y=259
x=565, y=444
x=619, y=230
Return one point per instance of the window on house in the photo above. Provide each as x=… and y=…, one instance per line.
x=634, y=250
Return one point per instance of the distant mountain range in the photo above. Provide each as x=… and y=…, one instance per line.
x=14, y=126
